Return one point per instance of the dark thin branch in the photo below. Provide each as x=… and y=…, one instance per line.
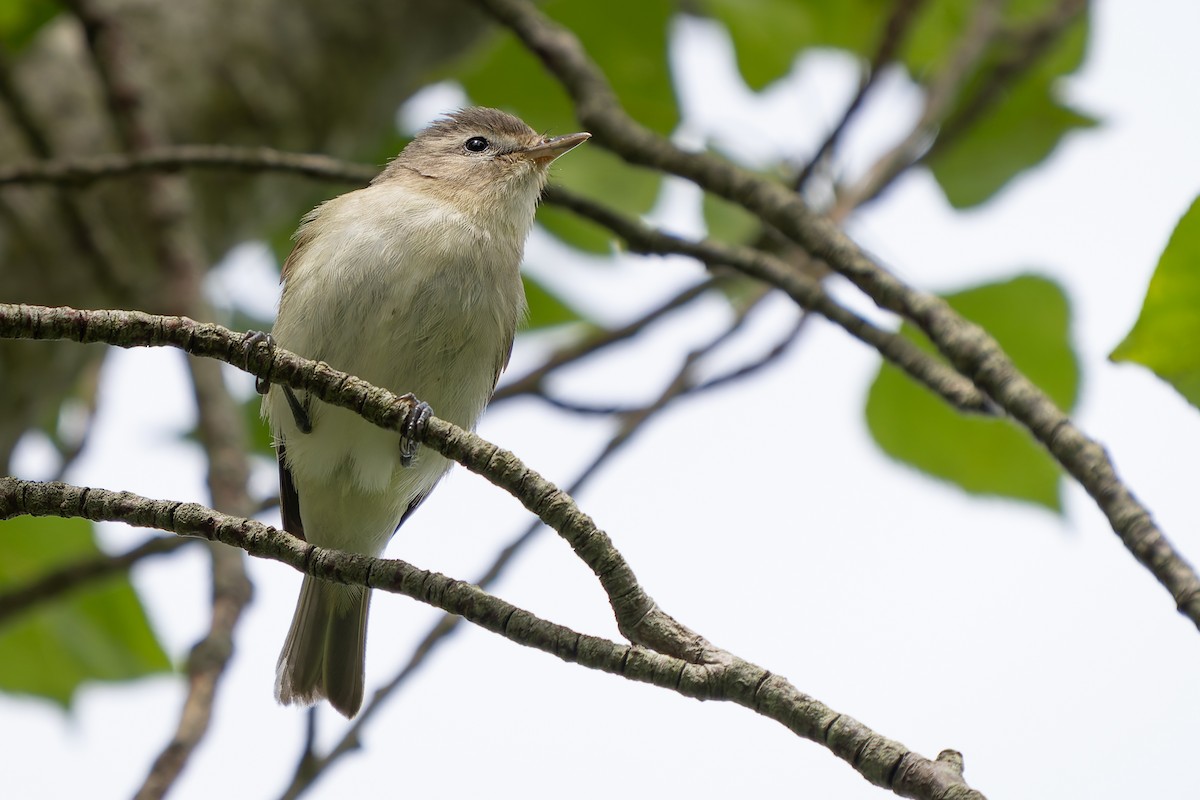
x=763, y=361
x=85, y=170
x=73, y=577
x=807, y=292
x=532, y=381
x=68, y=205
x=984, y=27
x=967, y=346
x=1028, y=45
x=904, y=12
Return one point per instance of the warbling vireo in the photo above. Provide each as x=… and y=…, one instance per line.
x=412, y=284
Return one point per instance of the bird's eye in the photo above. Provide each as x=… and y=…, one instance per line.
x=476, y=144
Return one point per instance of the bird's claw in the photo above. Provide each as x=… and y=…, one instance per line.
x=252, y=340
x=414, y=426
x=262, y=386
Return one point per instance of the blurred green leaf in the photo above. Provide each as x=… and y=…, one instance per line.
x=1166, y=336
x=727, y=222
x=1017, y=135
x=1030, y=317
x=598, y=174
x=1019, y=132
x=99, y=632
x=545, y=308
x=20, y=20
x=580, y=233
x=768, y=35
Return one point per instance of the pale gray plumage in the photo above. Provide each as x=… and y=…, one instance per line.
x=412, y=284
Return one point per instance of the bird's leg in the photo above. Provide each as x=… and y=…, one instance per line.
x=418, y=418
x=299, y=412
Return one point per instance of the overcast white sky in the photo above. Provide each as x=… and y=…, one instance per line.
x=1033, y=644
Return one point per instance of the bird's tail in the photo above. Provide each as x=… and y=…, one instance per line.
x=323, y=655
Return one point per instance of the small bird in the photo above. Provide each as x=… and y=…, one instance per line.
x=412, y=284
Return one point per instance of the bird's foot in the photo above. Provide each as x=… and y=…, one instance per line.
x=262, y=386
x=414, y=426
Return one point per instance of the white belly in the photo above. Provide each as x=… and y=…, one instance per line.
x=431, y=314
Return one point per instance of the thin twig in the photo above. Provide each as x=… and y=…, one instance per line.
x=73, y=577
x=85, y=170
x=69, y=206
x=904, y=12
x=940, y=97
x=807, y=292
x=532, y=381
x=1028, y=46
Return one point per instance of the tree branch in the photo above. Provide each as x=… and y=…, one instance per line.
x=638, y=616
x=168, y=204
x=312, y=765
x=880, y=760
x=943, y=90
x=968, y=347
x=807, y=292
x=904, y=12
x=85, y=170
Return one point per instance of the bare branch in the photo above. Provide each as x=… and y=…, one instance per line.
x=880, y=760
x=1029, y=44
x=84, y=170
x=532, y=381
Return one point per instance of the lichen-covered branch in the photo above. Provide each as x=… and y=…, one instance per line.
x=880, y=760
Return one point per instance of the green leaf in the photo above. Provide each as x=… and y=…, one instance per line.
x=728, y=222
x=99, y=632
x=1166, y=336
x=545, y=308
x=1029, y=316
x=1018, y=132
x=600, y=175
x=768, y=35
x=20, y=21
x=580, y=233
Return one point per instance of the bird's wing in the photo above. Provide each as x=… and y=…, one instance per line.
x=411, y=508
x=505, y=355
x=289, y=501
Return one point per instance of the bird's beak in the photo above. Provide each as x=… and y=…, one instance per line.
x=546, y=151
